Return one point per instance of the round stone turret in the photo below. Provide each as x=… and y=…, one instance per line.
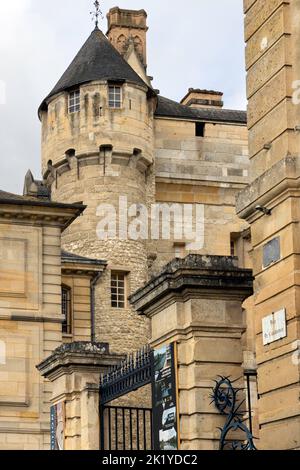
x=97, y=148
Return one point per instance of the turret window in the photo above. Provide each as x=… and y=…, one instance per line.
x=115, y=96
x=118, y=290
x=74, y=101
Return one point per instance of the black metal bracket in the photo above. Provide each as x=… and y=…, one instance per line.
x=225, y=398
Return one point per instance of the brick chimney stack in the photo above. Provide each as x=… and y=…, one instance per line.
x=196, y=98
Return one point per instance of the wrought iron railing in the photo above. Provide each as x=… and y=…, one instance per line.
x=133, y=373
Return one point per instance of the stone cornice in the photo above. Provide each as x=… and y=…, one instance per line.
x=76, y=357
x=193, y=277
x=39, y=213
x=82, y=269
x=282, y=178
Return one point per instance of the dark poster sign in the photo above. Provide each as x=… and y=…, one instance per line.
x=57, y=426
x=164, y=393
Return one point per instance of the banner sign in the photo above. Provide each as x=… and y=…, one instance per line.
x=164, y=393
x=57, y=426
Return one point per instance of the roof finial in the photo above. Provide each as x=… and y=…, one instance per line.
x=95, y=14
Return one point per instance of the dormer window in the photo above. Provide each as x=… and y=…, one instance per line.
x=115, y=96
x=74, y=101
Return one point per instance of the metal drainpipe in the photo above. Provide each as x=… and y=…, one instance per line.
x=94, y=282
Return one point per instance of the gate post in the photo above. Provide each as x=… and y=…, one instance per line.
x=74, y=372
x=196, y=302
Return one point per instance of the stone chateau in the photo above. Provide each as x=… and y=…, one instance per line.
x=73, y=302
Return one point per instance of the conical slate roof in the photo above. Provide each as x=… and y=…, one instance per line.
x=97, y=60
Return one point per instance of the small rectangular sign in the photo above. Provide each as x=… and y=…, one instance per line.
x=274, y=327
x=271, y=252
x=164, y=391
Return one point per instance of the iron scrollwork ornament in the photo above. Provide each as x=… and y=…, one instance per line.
x=225, y=398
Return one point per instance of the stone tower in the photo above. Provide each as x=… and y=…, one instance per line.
x=97, y=147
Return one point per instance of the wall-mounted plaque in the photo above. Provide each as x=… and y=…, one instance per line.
x=274, y=327
x=271, y=252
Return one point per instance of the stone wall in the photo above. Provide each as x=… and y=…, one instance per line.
x=207, y=171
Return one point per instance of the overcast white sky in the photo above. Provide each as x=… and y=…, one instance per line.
x=192, y=43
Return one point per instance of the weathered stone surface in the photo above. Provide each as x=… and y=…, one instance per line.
x=270, y=63
x=273, y=61
x=267, y=35
x=259, y=14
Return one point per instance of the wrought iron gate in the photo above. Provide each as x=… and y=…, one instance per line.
x=126, y=428
x=123, y=427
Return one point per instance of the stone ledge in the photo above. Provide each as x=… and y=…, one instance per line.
x=282, y=176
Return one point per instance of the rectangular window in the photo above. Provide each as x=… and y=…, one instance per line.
x=118, y=286
x=200, y=129
x=74, y=101
x=66, y=310
x=115, y=96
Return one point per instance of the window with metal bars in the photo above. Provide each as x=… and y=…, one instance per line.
x=66, y=310
x=115, y=96
x=118, y=287
x=74, y=101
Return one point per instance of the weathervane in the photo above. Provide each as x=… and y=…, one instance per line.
x=95, y=14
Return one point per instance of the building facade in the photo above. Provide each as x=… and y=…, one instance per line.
x=109, y=138
x=133, y=238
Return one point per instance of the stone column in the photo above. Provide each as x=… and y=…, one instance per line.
x=271, y=206
x=74, y=371
x=197, y=303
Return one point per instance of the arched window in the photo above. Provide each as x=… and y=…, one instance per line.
x=122, y=43
x=138, y=45
x=66, y=307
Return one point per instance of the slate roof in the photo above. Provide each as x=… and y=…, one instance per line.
x=10, y=196
x=16, y=199
x=169, y=108
x=72, y=258
x=97, y=60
